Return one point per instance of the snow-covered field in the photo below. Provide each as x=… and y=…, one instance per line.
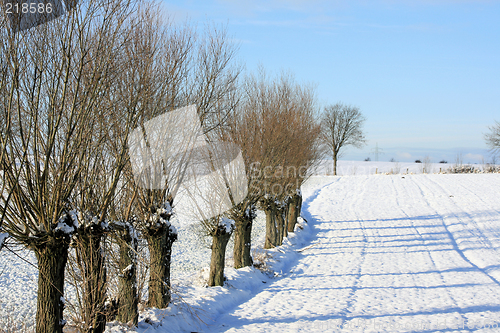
x=390, y=254
x=357, y=168
x=380, y=253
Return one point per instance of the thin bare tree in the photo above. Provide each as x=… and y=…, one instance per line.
x=102, y=172
x=342, y=127
x=194, y=69
x=493, y=138
x=252, y=129
x=217, y=183
x=212, y=86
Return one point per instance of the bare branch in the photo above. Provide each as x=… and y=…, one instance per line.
x=493, y=137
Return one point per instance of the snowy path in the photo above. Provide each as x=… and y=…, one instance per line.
x=392, y=254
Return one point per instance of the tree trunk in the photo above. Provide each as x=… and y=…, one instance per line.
x=247, y=256
x=271, y=231
x=293, y=212
x=217, y=262
x=299, y=206
x=334, y=164
x=127, y=279
x=90, y=255
x=284, y=213
x=52, y=257
x=242, y=241
x=280, y=226
x=160, y=241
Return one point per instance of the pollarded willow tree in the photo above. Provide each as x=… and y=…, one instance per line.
x=342, y=126
x=150, y=60
x=125, y=235
x=304, y=157
x=295, y=133
x=58, y=75
x=248, y=128
x=276, y=128
x=116, y=117
x=191, y=69
x=216, y=182
x=156, y=83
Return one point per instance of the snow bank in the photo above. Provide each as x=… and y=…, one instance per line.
x=195, y=307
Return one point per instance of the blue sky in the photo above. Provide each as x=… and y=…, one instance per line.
x=426, y=74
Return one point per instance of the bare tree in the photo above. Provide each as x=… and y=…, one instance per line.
x=275, y=127
x=493, y=138
x=102, y=172
x=342, y=127
x=152, y=75
x=217, y=183
x=212, y=85
x=214, y=89
x=252, y=128
x=426, y=166
x=164, y=56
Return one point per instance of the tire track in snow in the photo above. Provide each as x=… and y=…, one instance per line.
x=450, y=234
x=476, y=231
x=483, y=237
x=429, y=254
x=352, y=298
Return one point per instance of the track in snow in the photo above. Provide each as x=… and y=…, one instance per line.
x=392, y=254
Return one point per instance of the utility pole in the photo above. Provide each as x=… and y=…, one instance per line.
x=377, y=151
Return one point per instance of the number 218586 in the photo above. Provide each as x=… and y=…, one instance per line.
x=25, y=8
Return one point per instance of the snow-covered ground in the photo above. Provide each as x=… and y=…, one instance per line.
x=380, y=253
x=389, y=254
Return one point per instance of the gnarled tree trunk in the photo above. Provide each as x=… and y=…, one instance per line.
x=294, y=205
x=52, y=256
x=89, y=253
x=160, y=241
x=127, y=278
x=271, y=231
x=280, y=225
x=243, y=239
x=219, y=242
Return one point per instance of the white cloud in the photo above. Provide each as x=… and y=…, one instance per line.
x=404, y=155
x=474, y=157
